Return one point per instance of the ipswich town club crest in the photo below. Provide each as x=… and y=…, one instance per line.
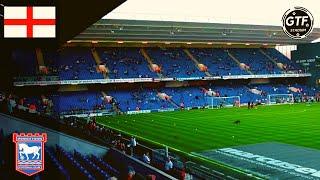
x=29, y=152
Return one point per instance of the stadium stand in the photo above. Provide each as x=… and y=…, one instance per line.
x=125, y=63
x=174, y=63
x=79, y=63
x=63, y=164
x=72, y=64
x=163, y=98
x=80, y=102
x=218, y=62
x=257, y=63
x=139, y=100
x=25, y=62
x=286, y=64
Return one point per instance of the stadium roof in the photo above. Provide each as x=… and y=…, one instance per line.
x=206, y=21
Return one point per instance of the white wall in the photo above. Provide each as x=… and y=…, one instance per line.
x=268, y=12
x=286, y=50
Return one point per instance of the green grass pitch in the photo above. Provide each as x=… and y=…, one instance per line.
x=198, y=130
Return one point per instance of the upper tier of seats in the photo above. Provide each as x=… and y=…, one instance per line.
x=72, y=64
x=26, y=62
x=218, y=62
x=280, y=58
x=79, y=63
x=174, y=63
x=125, y=63
x=258, y=62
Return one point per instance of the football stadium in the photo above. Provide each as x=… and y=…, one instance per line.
x=163, y=90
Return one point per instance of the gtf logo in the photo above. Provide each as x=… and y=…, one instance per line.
x=297, y=23
x=29, y=152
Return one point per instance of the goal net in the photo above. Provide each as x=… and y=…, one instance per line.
x=216, y=102
x=280, y=99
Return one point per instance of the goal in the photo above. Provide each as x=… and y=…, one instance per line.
x=216, y=102
x=280, y=99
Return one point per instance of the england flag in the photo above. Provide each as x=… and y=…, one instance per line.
x=29, y=22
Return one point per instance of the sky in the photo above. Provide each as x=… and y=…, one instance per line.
x=257, y=12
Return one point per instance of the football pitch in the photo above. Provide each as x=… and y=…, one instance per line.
x=205, y=129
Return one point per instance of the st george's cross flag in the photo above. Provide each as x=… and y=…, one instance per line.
x=29, y=22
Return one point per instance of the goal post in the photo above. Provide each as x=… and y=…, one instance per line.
x=280, y=99
x=216, y=102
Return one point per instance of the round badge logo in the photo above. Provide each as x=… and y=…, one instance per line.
x=297, y=23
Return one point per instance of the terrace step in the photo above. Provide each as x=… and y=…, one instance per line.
x=238, y=62
x=97, y=58
x=195, y=60
x=149, y=60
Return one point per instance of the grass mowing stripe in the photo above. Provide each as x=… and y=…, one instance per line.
x=163, y=126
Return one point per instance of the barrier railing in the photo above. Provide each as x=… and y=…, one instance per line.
x=54, y=80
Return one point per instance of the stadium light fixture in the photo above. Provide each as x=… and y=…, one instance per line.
x=120, y=42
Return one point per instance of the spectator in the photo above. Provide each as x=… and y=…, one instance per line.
x=132, y=145
x=168, y=165
x=131, y=173
x=11, y=104
x=32, y=108
x=146, y=158
x=182, y=175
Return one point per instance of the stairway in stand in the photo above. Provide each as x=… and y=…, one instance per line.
x=270, y=58
x=149, y=60
x=114, y=107
x=238, y=62
x=195, y=60
x=97, y=58
x=40, y=59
